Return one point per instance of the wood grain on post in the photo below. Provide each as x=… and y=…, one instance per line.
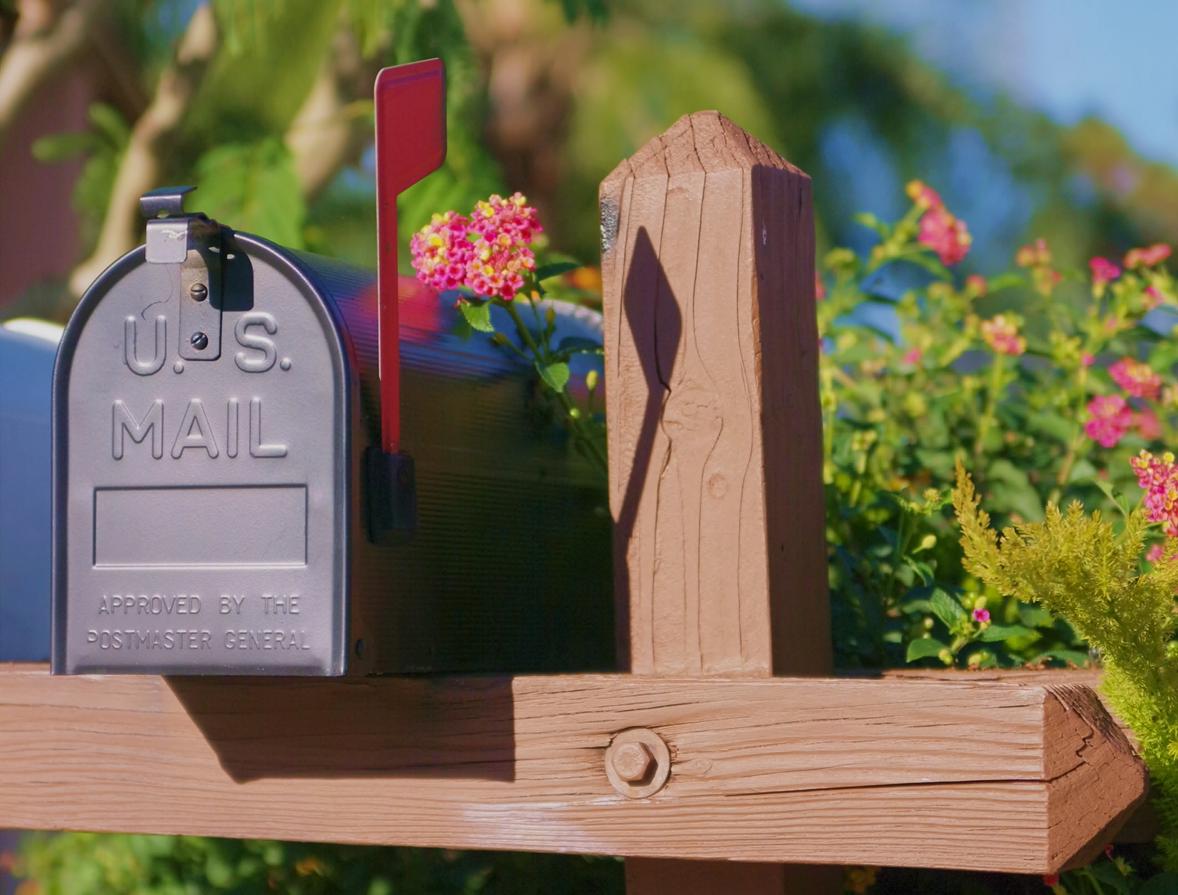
x=1019, y=777
x=715, y=436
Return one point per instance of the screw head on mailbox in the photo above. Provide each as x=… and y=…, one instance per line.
x=221, y=496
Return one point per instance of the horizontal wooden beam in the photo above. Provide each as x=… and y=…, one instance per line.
x=1143, y=825
x=1022, y=777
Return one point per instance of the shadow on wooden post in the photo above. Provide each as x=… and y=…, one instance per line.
x=715, y=436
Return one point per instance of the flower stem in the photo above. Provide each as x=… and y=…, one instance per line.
x=993, y=389
x=572, y=414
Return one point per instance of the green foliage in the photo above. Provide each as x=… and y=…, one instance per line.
x=272, y=52
x=253, y=185
x=1086, y=568
x=422, y=30
x=95, y=864
x=912, y=378
x=102, y=147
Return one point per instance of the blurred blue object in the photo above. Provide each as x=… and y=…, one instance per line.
x=27, y=350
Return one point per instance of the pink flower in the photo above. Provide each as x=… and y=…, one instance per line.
x=1136, y=378
x=1147, y=425
x=912, y=356
x=1037, y=257
x=1158, y=477
x=1153, y=297
x=441, y=251
x=976, y=285
x=819, y=288
x=1036, y=254
x=1155, y=554
x=922, y=195
x=512, y=215
x=982, y=616
x=1001, y=334
x=1150, y=256
x=501, y=231
x=1087, y=359
x=1109, y=418
x=944, y=234
x=1103, y=271
x=488, y=252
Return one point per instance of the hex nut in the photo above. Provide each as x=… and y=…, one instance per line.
x=638, y=763
x=633, y=762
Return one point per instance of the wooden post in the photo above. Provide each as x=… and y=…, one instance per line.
x=715, y=441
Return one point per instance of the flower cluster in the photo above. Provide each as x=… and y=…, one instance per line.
x=1002, y=335
x=1150, y=256
x=1103, y=270
x=1136, y=378
x=1036, y=258
x=1158, y=477
x=1109, y=418
x=940, y=230
x=488, y=251
x=441, y=251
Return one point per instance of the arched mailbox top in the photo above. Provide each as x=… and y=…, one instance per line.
x=205, y=505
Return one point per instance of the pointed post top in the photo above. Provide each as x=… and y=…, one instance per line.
x=700, y=142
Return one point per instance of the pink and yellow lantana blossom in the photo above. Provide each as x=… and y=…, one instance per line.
x=1158, y=477
x=939, y=229
x=1037, y=258
x=1001, y=334
x=488, y=252
x=1136, y=378
x=1109, y=419
x=1149, y=256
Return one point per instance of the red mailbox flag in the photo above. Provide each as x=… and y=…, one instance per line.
x=410, y=143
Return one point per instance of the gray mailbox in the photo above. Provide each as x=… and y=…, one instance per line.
x=222, y=506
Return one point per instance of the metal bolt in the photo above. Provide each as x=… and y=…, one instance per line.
x=199, y=341
x=637, y=763
x=198, y=291
x=633, y=762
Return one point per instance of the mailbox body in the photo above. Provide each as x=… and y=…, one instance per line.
x=210, y=514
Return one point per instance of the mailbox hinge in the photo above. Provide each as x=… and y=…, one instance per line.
x=192, y=242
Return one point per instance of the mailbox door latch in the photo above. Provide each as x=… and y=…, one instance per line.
x=192, y=242
x=391, y=496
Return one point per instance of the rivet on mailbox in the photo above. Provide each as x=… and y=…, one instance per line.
x=224, y=499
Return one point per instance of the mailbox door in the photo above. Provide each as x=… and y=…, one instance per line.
x=201, y=502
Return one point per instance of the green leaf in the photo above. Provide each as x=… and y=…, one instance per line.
x=995, y=633
x=253, y=187
x=478, y=315
x=1162, y=884
x=1005, y=281
x=947, y=609
x=62, y=147
x=1112, y=494
x=555, y=376
x=924, y=648
x=867, y=219
x=929, y=263
x=1035, y=616
x=109, y=122
x=548, y=271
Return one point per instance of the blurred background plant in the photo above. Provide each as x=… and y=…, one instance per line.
x=1045, y=378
